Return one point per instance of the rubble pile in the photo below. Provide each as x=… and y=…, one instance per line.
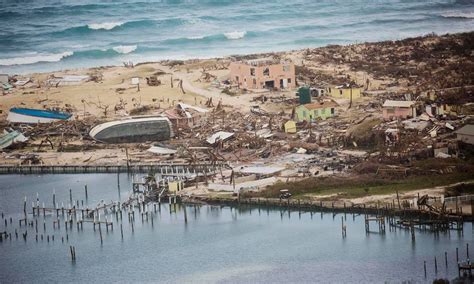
x=420, y=62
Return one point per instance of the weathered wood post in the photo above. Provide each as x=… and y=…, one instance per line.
x=424, y=267
x=169, y=203
x=457, y=207
x=100, y=233
x=446, y=259
x=467, y=250
x=344, y=232
x=185, y=214
x=398, y=200
x=85, y=190
x=24, y=209
x=72, y=250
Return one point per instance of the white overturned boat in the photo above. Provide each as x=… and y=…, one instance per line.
x=133, y=130
x=28, y=115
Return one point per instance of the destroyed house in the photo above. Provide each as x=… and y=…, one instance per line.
x=186, y=116
x=398, y=109
x=345, y=91
x=263, y=74
x=317, y=110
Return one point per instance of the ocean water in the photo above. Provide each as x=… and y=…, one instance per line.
x=45, y=35
x=217, y=245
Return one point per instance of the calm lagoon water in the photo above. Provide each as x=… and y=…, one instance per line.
x=217, y=244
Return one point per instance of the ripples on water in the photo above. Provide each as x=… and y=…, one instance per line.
x=217, y=244
x=48, y=35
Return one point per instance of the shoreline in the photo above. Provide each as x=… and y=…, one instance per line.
x=220, y=57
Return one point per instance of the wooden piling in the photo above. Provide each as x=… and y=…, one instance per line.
x=72, y=250
x=100, y=233
x=185, y=214
x=467, y=250
x=344, y=230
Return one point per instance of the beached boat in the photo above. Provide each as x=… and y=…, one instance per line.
x=133, y=130
x=9, y=138
x=28, y=115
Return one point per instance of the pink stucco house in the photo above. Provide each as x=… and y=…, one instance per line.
x=398, y=109
x=263, y=73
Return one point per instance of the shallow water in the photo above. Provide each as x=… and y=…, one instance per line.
x=45, y=35
x=217, y=244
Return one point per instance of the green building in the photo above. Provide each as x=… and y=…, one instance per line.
x=317, y=110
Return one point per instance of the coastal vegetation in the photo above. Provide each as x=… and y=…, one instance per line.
x=422, y=175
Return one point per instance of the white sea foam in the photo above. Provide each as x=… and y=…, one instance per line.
x=35, y=58
x=195, y=37
x=235, y=35
x=466, y=15
x=124, y=49
x=104, y=26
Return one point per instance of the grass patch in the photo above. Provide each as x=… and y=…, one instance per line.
x=460, y=189
x=362, y=185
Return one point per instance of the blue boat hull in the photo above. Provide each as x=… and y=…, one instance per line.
x=24, y=115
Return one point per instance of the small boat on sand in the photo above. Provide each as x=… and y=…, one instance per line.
x=28, y=115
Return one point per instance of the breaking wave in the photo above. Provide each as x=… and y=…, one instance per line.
x=235, y=35
x=206, y=39
x=104, y=26
x=458, y=15
x=195, y=37
x=124, y=49
x=35, y=58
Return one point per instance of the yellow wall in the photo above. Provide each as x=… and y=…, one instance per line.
x=175, y=186
x=302, y=113
x=346, y=93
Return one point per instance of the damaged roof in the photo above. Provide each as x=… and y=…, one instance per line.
x=319, y=105
x=219, y=136
x=390, y=103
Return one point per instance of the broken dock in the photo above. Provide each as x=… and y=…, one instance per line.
x=174, y=169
